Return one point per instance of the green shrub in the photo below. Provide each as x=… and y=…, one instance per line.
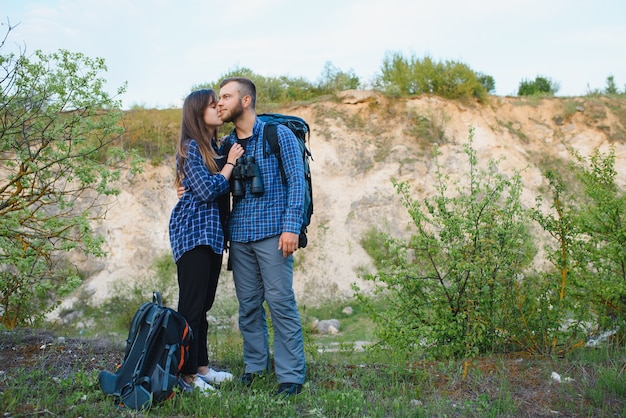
x=450, y=290
x=374, y=244
x=282, y=90
x=453, y=80
x=334, y=80
x=611, y=86
x=541, y=86
x=601, y=239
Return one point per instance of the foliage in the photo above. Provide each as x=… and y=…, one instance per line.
x=335, y=80
x=402, y=76
x=611, y=86
x=283, y=89
x=56, y=127
x=488, y=82
x=373, y=242
x=450, y=290
x=601, y=246
x=430, y=128
x=587, y=287
x=461, y=285
x=552, y=308
x=540, y=86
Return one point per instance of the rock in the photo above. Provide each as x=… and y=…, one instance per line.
x=347, y=310
x=234, y=321
x=328, y=326
x=313, y=324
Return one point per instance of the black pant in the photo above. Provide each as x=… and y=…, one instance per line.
x=198, y=274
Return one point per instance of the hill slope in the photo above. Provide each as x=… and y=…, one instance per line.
x=360, y=140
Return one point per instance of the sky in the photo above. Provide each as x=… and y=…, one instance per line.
x=163, y=48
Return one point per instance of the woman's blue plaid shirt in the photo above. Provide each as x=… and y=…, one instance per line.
x=195, y=219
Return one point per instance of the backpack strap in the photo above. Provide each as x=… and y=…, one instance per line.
x=156, y=298
x=270, y=136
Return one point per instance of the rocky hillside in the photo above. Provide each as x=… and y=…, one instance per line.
x=360, y=140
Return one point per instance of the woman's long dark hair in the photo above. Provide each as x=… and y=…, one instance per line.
x=193, y=127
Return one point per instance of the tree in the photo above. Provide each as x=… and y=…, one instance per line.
x=57, y=128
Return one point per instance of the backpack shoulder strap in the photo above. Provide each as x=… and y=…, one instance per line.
x=270, y=136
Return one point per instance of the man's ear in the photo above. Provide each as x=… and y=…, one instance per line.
x=246, y=101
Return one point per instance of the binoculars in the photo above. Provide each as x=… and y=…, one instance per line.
x=247, y=170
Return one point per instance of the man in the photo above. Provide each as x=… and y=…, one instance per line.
x=264, y=229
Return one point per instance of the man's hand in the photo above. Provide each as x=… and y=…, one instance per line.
x=288, y=242
x=180, y=191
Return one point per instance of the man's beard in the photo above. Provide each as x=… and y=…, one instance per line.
x=234, y=113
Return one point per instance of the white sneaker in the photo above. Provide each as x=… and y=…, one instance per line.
x=203, y=386
x=215, y=377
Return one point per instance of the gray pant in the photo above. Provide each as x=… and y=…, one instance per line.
x=261, y=273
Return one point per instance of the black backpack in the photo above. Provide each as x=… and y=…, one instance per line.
x=301, y=130
x=156, y=349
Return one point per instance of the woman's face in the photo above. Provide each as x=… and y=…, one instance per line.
x=210, y=116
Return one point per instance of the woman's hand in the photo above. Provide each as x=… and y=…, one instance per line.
x=235, y=152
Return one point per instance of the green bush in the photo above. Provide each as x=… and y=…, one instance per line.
x=450, y=290
x=453, y=80
x=588, y=251
x=553, y=317
x=334, y=80
x=462, y=284
x=541, y=86
x=601, y=240
x=374, y=244
x=282, y=90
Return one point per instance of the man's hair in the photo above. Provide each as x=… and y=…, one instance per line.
x=246, y=88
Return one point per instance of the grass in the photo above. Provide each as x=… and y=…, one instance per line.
x=60, y=379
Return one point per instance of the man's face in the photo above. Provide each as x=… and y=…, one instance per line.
x=229, y=107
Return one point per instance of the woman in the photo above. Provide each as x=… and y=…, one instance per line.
x=196, y=227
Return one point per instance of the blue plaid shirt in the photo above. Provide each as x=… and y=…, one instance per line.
x=281, y=208
x=195, y=219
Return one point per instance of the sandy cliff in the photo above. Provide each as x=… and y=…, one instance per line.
x=359, y=142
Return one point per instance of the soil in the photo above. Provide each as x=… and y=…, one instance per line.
x=27, y=348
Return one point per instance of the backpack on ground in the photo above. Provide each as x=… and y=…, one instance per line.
x=156, y=349
x=301, y=130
